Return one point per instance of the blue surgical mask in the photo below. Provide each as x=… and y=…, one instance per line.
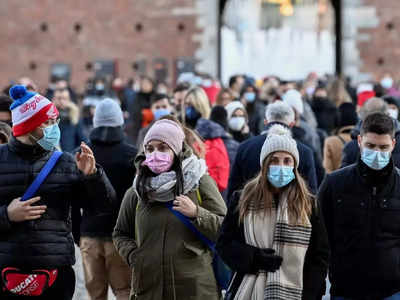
x=376, y=160
x=159, y=113
x=280, y=176
x=51, y=137
x=250, y=96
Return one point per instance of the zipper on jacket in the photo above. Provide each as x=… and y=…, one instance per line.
x=371, y=222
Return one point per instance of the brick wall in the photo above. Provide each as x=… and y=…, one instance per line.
x=371, y=38
x=381, y=53
x=36, y=33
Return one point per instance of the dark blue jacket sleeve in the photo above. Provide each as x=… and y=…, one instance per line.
x=307, y=168
x=350, y=153
x=235, y=178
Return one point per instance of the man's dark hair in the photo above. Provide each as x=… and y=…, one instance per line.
x=184, y=86
x=233, y=79
x=5, y=103
x=157, y=97
x=378, y=123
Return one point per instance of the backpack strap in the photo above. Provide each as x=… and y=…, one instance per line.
x=341, y=139
x=185, y=220
x=32, y=189
x=199, y=197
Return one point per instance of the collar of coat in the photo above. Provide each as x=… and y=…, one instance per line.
x=107, y=135
x=28, y=152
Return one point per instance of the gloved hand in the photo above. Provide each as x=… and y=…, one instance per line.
x=266, y=260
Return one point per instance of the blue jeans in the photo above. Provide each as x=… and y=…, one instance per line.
x=393, y=297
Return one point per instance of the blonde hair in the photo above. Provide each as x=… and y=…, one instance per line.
x=337, y=92
x=257, y=196
x=199, y=100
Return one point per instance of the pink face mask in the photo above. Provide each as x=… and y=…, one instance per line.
x=158, y=162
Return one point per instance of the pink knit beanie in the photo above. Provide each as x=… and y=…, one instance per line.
x=168, y=132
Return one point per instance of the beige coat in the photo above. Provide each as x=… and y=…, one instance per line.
x=333, y=149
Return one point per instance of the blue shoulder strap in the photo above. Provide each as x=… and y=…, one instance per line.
x=185, y=220
x=32, y=189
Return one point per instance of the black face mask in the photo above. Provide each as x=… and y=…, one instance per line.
x=315, y=98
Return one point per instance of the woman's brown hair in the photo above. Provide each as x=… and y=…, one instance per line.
x=257, y=195
x=220, y=101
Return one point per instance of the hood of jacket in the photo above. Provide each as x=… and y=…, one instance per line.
x=210, y=130
x=70, y=113
x=107, y=135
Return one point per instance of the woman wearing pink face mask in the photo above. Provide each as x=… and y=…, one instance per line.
x=169, y=261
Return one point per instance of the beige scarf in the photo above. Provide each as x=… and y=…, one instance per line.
x=289, y=241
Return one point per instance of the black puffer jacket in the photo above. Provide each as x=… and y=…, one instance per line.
x=361, y=208
x=46, y=242
x=116, y=156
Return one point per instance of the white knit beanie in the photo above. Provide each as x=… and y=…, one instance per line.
x=279, y=139
x=232, y=107
x=108, y=113
x=293, y=99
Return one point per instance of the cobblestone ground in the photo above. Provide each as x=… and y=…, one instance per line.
x=80, y=290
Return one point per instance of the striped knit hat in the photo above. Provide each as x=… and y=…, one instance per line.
x=29, y=110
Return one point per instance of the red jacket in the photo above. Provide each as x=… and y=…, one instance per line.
x=217, y=160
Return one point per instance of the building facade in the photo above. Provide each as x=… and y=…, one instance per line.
x=158, y=38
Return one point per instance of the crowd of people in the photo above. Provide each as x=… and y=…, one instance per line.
x=289, y=181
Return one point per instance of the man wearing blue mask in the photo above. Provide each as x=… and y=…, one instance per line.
x=36, y=241
x=361, y=208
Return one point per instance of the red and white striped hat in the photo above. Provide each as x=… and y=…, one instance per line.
x=29, y=110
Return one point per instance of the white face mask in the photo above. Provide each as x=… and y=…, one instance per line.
x=394, y=113
x=387, y=82
x=237, y=123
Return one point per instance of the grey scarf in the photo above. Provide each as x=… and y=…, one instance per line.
x=161, y=188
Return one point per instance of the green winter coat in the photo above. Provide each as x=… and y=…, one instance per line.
x=169, y=262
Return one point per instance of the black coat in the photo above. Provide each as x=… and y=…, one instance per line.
x=361, y=208
x=299, y=134
x=116, y=157
x=141, y=101
x=256, y=112
x=240, y=257
x=46, y=242
x=326, y=113
x=247, y=164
